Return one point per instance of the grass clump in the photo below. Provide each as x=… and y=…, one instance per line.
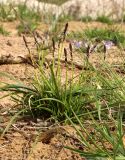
x=3, y=31
x=6, y=13
x=50, y=96
x=113, y=35
x=26, y=14
x=104, y=19
x=65, y=18
x=86, y=19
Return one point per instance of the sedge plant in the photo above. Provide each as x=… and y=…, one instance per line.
x=51, y=95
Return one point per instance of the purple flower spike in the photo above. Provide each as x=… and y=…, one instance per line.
x=108, y=44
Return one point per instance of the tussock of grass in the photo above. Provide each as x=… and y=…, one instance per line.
x=48, y=96
x=6, y=13
x=104, y=19
x=86, y=19
x=25, y=14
